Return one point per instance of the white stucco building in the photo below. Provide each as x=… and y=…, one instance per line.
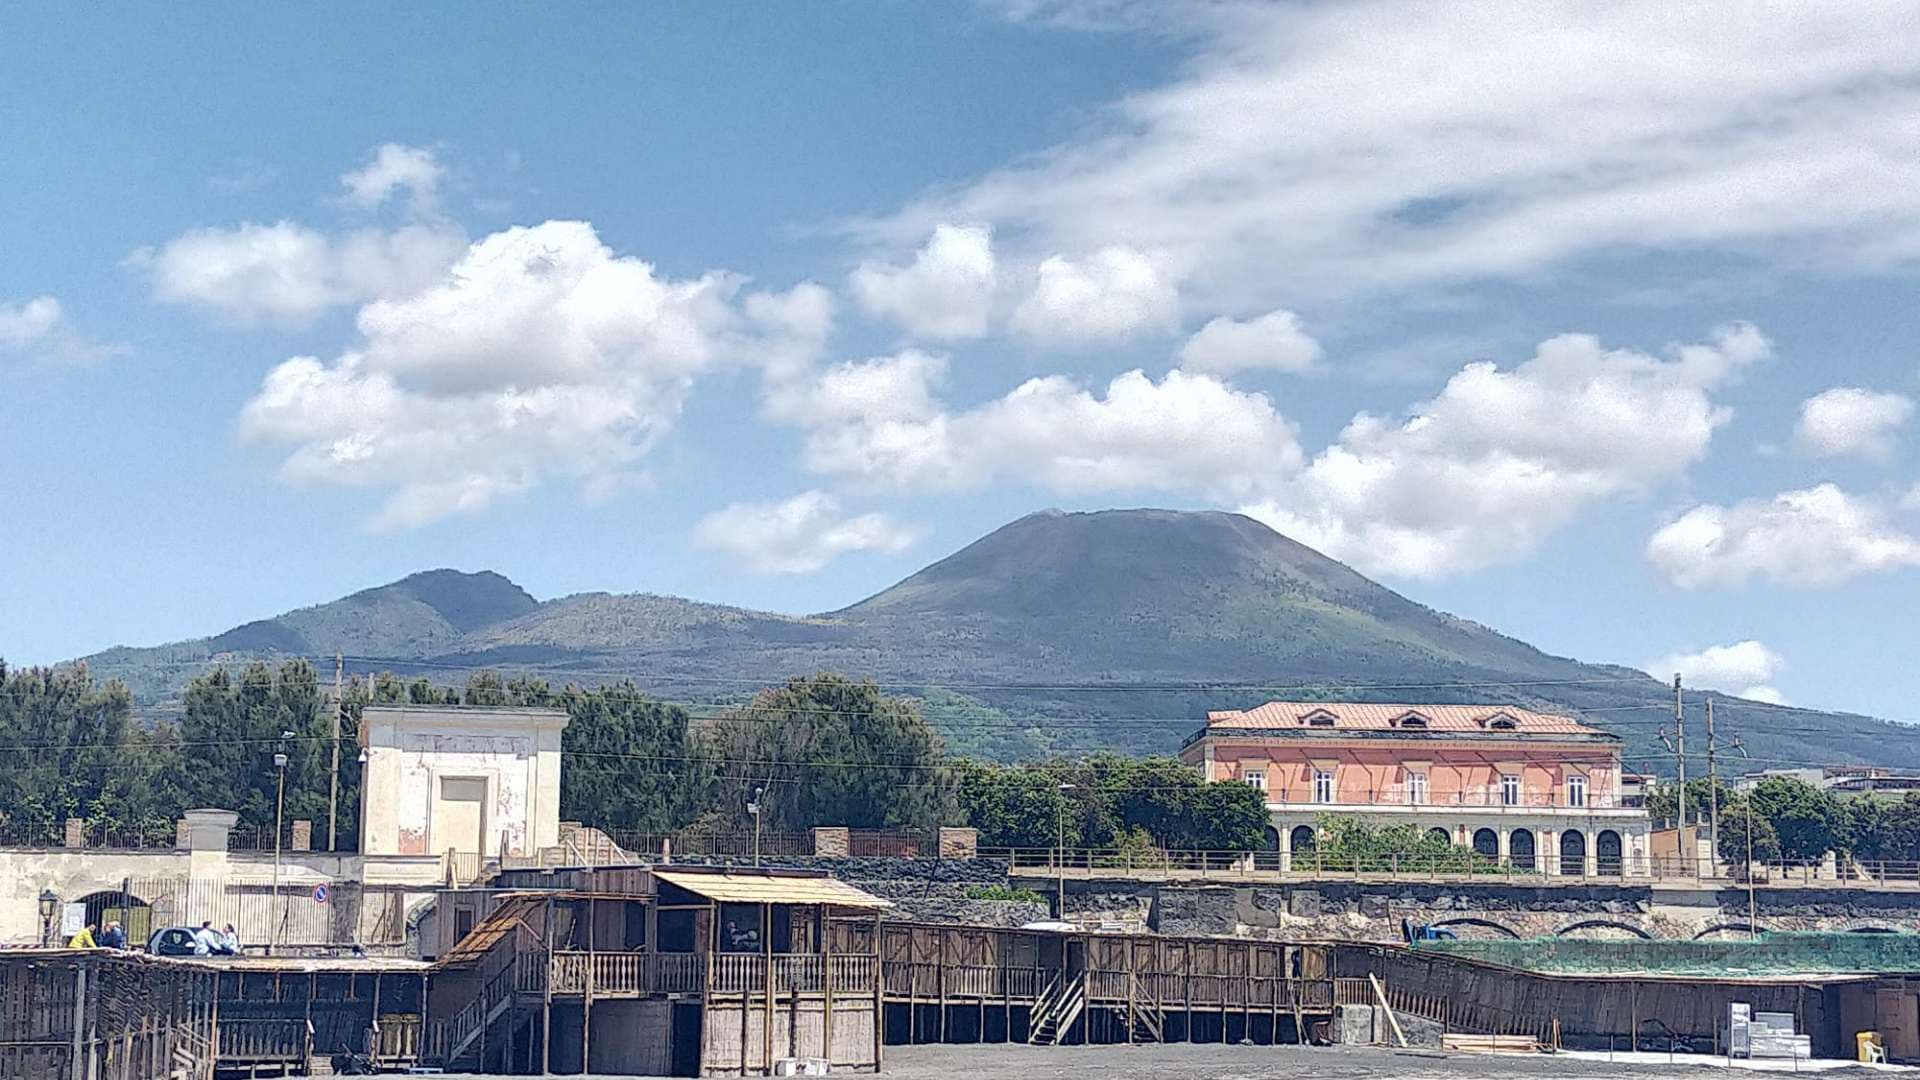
x=479, y=781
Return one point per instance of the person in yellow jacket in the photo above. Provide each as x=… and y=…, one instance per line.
x=83, y=939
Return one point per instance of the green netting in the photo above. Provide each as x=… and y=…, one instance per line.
x=1770, y=954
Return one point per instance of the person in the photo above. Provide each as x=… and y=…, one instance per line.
x=113, y=937
x=83, y=939
x=230, y=941
x=206, y=940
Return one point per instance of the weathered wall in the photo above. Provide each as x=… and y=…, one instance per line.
x=631, y=1038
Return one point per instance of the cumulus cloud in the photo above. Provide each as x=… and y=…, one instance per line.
x=1818, y=536
x=28, y=322
x=39, y=328
x=1499, y=460
x=1275, y=341
x=798, y=535
x=1849, y=420
x=289, y=273
x=1744, y=669
x=1323, y=147
x=395, y=167
x=946, y=293
x=540, y=352
x=1110, y=295
x=878, y=422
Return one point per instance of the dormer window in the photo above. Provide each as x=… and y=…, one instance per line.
x=1318, y=718
x=1412, y=721
x=1500, y=722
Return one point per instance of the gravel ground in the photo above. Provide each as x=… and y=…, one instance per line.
x=1214, y=1062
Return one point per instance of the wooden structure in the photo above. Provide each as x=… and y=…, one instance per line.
x=281, y=1016
x=659, y=971
x=984, y=984
x=1625, y=1010
x=96, y=1015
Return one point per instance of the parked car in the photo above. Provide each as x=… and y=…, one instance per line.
x=172, y=941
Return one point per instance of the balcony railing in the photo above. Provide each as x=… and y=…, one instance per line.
x=639, y=973
x=1399, y=795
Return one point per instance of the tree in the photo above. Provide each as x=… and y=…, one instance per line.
x=233, y=727
x=1347, y=842
x=1735, y=819
x=1663, y=803
x=1018, y=806
x=72, y=750
x=628, y=760
x=829, y=751
x=1805, y=818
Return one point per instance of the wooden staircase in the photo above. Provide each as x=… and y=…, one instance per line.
x=1145, y=1015
x=1054, y=1013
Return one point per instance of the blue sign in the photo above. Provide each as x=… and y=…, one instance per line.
x=319, y=894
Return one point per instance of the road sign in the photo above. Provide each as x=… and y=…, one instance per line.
x=319, y=894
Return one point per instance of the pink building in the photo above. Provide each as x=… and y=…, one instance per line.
x=1538, y=791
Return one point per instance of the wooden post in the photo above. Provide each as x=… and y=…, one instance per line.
x=546, y=1004
x=706, y=997
x=825, y=930
x=913, y=988
x=1380, y=994
x=313, y=987
x=766, y=953
x=586, y=999
x=76, y=1053
x=1132, y=979
x=879, y=1003
x=940, y=981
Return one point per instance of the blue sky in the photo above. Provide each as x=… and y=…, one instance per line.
x=1593, y=325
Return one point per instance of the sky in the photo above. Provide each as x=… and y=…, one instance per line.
x=1595, y=324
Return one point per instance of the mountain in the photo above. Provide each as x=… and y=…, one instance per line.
x=1114, y=629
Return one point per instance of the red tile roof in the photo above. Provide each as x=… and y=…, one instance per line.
x=1475, y=718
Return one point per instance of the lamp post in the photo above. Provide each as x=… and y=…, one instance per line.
x=753, y=807
x=279, y=811
x=1060, y=850
x=49, y=902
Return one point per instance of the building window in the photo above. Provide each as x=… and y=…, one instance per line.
x=1255, y=778
x=1509, y=790
x=1417, y=788
x=1320, y=720
x=1576, y=790
x=1322, y=786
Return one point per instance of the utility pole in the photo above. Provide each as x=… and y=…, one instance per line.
x=333, y=794
x=1680, y=754
x=1713, y=796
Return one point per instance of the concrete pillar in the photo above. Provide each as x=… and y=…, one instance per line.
x=1593, y=853
x=76, y=833
x=207, y=832
x=957, y=843
x=832, y=842
x=1286, y=845
x=1505, y=849
x=302, y=836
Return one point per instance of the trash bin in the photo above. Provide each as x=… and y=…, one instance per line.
x=1868, y=1047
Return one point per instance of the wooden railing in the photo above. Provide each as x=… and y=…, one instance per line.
x=396, y=1039
x=246, y=1041
x=678, y=973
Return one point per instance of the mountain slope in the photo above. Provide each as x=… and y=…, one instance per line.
x=1115, y=629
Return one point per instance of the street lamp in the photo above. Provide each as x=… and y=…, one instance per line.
x=49, y=901
x=279, y=811
x=753, y=807
x=1060, y=849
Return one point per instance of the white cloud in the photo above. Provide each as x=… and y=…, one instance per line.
x=39, y=328
x=289, y=273
x=878, y=422
x=1500, y=460
x=947, y=292
x=28, y=322
x=1275, y=341
x=1111, y=294
x=395, y=167
x=798, y=535
x=1849, y=420
x=1819, y=536
x=1744, y=669
x=1329, y=147
x=541, y=352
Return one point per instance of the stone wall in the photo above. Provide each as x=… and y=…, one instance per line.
x=1377, y=912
